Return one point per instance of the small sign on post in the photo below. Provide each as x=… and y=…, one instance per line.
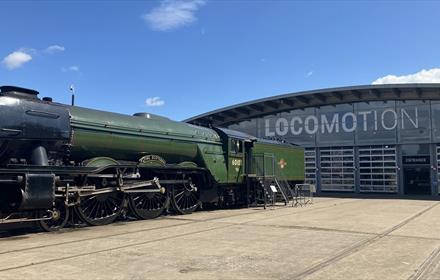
x=274, y=191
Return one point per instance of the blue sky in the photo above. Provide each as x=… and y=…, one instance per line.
x=183, y=58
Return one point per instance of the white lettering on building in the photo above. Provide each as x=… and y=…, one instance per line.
x=330, y=126
x=364, y=115
x=387, y=119
x=267, y=131
x=345, y=122
x=414, y=122
x=296, y=131
x=311, y=129
x=281, y=127
x=393, y=118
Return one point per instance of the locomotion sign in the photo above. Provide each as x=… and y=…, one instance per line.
x=374, y=120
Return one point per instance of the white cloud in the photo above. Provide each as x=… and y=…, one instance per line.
x=310, y=73
x=16, y=59
x=172, y=14
x=74, y=68
x=423, y=76
x=54, y=49
x=154, y=101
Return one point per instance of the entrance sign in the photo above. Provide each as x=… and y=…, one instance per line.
x=416, y=160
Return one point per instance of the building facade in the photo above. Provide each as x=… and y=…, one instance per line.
x=381, y=139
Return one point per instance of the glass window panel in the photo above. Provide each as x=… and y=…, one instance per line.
x=337, y=172
x=310, y=167
x=415, y=150
x=438, y=166
x=381, y=179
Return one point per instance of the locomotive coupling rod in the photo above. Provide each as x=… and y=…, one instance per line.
x=144, y=191
x=131, y=176
x=133, y=188
x=141, y=184
x=128, y=187
x=175, y=182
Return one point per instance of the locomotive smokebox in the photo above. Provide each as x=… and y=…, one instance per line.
x=26, y=122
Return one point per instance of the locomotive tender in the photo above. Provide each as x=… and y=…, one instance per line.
x=57, y=160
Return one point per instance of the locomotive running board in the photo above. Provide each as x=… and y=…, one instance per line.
x=61, y=170
x=80, y=170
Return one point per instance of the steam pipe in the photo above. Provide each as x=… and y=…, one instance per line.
x=39, y=156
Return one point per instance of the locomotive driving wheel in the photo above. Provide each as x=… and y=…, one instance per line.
x=185, y=197
x=101, y=209
x=60, y=216
x=148, y=205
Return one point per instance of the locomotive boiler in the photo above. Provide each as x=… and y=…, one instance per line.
x=58, y=160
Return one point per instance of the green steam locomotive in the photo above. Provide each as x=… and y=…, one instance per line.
x=58, y=160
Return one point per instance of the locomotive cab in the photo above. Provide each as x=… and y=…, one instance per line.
x=237, y=146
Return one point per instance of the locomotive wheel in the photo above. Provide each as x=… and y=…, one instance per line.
x=59, y=219
x=184, y=198
x=148, y=205
x=102, y=209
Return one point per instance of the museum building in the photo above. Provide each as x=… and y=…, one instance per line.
x=375, y=138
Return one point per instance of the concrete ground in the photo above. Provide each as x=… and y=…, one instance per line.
x=334, y=238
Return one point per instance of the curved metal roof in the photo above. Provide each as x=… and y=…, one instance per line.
x=315, y=98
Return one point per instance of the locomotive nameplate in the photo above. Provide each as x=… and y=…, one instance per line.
x=152, y=158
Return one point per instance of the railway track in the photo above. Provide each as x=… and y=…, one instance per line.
x=360, y=245
x=427, y=266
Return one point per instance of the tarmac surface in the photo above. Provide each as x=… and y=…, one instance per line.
x=333, y=238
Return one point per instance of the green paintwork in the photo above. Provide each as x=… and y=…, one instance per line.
x=213, y=158
x=187, y=164
x=122, y=137
x=100, y=162
x=130, y=138
x=236, y=165
x=268, y=157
